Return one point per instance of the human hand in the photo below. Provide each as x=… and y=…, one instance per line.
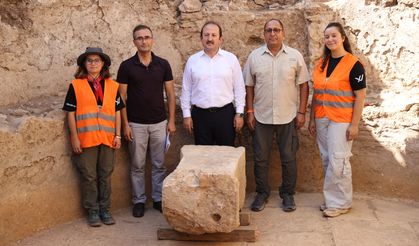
x=238, y=122
x=117, y=142
x=251, y=121
x=128, y=133
x=300, y=120
x=188, y=124
x=312, y=128
x=75, y=144
x=171, y=127
x=352, y=132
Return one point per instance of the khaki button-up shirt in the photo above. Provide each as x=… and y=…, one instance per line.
x=276, y=81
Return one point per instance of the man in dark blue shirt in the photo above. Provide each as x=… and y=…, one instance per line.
x=142, y=79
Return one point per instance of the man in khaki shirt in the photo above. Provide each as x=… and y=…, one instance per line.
x=276, y=79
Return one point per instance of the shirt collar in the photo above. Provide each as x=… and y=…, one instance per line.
x=137, y=59
x=220, y=52
x=284, y=49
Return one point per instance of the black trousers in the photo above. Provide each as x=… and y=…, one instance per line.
x=287, y=141
x=214, y=126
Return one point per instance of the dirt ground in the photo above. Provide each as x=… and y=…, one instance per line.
x=372, y=221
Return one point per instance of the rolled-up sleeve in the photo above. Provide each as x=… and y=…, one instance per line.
x=247, y=72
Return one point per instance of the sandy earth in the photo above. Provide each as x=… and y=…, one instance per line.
x=372, y=221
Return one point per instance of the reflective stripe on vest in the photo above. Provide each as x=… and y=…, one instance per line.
x=333, y=96
x=95, y=124
x=96, y=115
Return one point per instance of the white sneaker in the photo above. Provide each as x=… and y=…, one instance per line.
x=335, y=212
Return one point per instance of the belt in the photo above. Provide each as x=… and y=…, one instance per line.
x=213, y=109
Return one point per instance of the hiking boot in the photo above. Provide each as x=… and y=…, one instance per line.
x=288, y=204
x=335, y=212
x=323, y=207
x=157, y=206
x=259, y=203
x=138, y=210
x=106, y=217
x=93, y=218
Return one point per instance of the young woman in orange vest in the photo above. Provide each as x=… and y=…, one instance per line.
x=338, y=99
x=92, y=104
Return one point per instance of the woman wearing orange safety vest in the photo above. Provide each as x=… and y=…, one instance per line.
x=92, y=104
x=338, y=99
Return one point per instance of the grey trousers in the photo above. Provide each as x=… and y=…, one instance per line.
x=287, y=141
x=96, y=166
x=335, y=151
x=153, y=135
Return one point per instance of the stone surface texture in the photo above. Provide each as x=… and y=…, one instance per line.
x=206, y=191
x=41, y=39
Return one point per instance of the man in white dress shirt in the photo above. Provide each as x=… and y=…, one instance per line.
x=213, y=91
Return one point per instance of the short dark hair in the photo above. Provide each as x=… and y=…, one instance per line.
x=212, y=23
x=273, y=19
x=141, y=27
x=346, y=45
x=82, y=73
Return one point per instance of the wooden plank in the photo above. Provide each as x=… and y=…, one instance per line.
x=244, y=219
x=239, y=235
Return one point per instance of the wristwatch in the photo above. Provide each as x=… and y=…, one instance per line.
x=241, y=115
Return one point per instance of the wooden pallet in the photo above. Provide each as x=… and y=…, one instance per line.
x=242, y=234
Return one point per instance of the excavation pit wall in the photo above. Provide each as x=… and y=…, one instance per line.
x=39, y=185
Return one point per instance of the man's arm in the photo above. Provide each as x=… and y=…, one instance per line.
x=239, y=94
x=312, y=122
x=171, y=105
x=185, y=98
x=125, y=126
x=302, y=80
x=250, y=95
x=301, y=114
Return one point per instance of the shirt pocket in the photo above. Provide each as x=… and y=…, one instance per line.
x=288, y=71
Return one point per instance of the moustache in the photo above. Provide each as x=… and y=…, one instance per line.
x=210, y=42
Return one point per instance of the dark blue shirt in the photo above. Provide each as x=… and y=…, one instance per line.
x=145, y=100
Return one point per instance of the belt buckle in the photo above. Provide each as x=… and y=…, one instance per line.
x=212, y=110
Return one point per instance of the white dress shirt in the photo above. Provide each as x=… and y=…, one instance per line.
x=212, y=82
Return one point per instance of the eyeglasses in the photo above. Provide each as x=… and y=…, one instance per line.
x=145, y=38
x=275, y=30
x=91, y=61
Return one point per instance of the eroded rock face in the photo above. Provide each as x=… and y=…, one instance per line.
x=40, y=42
x=207, y=189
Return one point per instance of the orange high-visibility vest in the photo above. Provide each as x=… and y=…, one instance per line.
x=334, y=97
x=95, y=124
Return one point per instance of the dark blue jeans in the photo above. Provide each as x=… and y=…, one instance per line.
x=287, y=141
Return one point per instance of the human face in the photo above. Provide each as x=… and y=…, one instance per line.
x=274, y=34
x=333, y=39
x=94, y=64
x=211, y=39
x=143, y=40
